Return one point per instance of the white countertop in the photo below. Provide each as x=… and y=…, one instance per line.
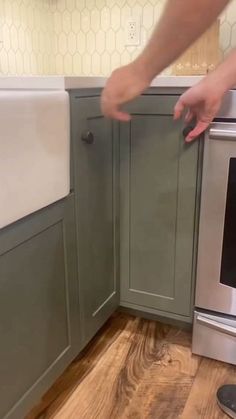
x=68, y=83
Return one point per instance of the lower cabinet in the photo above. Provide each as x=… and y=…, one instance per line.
x=39, y=326
x=159, y=191
x=96, y=182
x=131, y=218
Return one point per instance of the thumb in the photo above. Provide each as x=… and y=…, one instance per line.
x=199, y=129
x=178, y=109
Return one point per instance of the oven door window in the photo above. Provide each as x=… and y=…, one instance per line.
x=228, y=261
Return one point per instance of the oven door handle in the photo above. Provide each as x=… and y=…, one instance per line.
x=224, y=328
x=222, y=133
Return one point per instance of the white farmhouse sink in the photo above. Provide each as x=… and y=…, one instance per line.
x=34, y=151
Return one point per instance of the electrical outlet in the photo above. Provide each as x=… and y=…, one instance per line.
x=132, y=31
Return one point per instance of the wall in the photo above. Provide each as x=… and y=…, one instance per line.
x=80, y=37
x=89, y=35
x=27, y=34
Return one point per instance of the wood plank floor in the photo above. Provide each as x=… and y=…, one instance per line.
x=137, y=369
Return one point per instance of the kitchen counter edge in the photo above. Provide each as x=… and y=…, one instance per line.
x=73, y=83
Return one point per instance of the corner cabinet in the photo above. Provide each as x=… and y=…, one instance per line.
x=131, y=217
x=159, y=190
x=95, y=156
x=39, y=327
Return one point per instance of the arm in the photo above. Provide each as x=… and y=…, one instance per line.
x=203, y=100
x=182, y=22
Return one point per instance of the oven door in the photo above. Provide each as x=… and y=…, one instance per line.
x=216, y=267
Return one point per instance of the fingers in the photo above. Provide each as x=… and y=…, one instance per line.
x=115, y=113
x=189, y=116
x=199, y=129
x=111, y=110
x=120, y=116
x=178, y=109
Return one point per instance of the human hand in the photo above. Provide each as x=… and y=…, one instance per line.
x=125, y=84
x=202, y=103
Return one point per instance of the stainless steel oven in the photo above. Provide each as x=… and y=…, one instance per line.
x=214, y=332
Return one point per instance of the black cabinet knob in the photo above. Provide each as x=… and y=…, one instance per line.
x=87, y=137
x=187, y=130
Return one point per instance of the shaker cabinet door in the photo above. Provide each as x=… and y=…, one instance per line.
x=158, y=173
x=38, y=305
x=95, y=154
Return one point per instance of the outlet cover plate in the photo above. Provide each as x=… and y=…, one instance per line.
x=132, y=31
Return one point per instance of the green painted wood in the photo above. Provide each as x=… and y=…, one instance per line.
x=38, y=305
x=97, y=209
x=158, y=200
x=167, y=318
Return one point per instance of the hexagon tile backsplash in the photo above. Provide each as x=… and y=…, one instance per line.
x=80, y=37
x=26, y=37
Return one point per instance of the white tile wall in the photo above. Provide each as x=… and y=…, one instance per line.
x=80, y=37
x=27, y=34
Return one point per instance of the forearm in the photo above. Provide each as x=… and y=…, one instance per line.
x=182, y=22
x=223, y=77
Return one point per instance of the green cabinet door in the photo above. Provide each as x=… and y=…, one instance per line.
x=158, y=202
x=38, y=305
x=96, y=188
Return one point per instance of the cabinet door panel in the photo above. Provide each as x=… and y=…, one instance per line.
x=158, y=197
x=96, y=189
x=38, y=305
x=153, y=205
